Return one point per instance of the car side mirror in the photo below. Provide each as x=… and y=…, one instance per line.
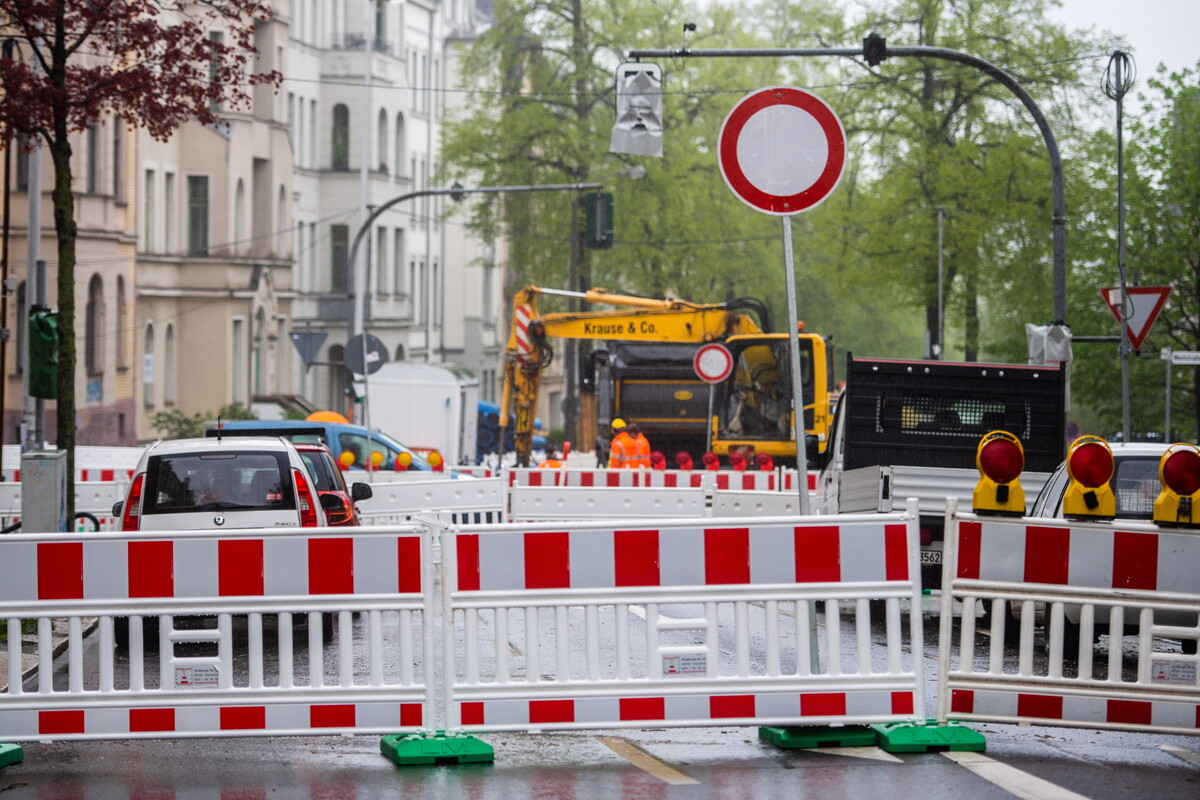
x=811, y=446
x=332, y=502
x=116, y=509
x=361, y=491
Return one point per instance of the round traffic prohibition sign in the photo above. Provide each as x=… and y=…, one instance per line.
x=713, y=363
x=782, y=150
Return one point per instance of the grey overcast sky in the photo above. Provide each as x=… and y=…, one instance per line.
x=1166, y=31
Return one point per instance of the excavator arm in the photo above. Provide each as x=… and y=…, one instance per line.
x=642, y=319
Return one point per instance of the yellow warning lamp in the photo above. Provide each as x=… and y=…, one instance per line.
x=1090, y=468
x=999, y=459
x=1179, y=473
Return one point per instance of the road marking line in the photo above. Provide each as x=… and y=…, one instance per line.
x=1011, y=779
x=871, y=752
x=1182, y=754
x=643, y=760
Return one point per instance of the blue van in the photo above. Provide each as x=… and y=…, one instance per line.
x=341, y=438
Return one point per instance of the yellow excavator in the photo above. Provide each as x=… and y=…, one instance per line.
x=740, y=418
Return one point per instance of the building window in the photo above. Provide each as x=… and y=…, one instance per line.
x=118, y=160
x=398, y=260
x=238, y=361
x=381, y=141
x=148, y=367
x=340, y=138
x=23, y=156
x=399, y=144
x=381, y=270
x=198, y=215
x=339, y=238
x=239, y=216
x=168, y=212
x=93, y=158
x=148, y=206
x=214, y=64
x=169, y=378
x=94, y=325
x=122, y=310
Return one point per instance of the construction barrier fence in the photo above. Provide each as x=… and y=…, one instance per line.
x=301, y=632
x=1134, y=583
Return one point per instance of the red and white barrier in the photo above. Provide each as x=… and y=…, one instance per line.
x=1108, y=576
x=534, y=503
x=725, y=480
x=264, y=577
x=397, y=502
x=680, y=623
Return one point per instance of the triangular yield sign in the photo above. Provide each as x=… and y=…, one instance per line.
x=1144, y=304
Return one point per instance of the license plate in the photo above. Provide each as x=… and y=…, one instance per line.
x=931, y=556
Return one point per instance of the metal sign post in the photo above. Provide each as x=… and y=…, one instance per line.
x=1190, y=358
x=782, y=150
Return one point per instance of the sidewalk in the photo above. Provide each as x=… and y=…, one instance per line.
x=29, y=644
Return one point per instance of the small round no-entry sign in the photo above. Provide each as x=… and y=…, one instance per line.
x=782, y=150
x=713, y=363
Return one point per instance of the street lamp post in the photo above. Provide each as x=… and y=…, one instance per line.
x=875, y=49
x=356, y=322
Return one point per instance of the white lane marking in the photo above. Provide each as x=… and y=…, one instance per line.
x=1182, y=754
x=1011, y=779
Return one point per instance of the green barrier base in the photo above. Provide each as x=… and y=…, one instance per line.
x=903, y=737
x=818, y=736
x=414, y=749
x=11, y=754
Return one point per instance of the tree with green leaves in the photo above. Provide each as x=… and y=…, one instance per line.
x=156, y=63
x=940, y=134
x=1162, y=190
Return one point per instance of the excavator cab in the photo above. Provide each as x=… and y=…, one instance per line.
x=753, y=408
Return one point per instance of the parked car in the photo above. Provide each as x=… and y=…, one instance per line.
x=1135, y=486
x=329, y=483
x=221, y=483
x=243, y=482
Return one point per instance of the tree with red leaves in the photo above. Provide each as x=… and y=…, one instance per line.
x=155, y=63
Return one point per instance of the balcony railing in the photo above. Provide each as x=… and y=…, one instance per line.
x=356, y=41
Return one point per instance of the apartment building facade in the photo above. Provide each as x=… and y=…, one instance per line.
x=205, y=260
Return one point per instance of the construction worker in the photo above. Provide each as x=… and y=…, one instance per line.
x=552, y=460
x=622, y=452
x=641, y=445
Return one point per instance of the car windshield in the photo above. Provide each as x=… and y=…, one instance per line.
x=186, y=482
x=1137, y=486
x=320, y=467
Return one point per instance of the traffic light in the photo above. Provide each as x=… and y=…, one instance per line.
x=43, y=353
x=1090, y=468
x=999, y=459
x=875, y=49
x=1179, y=473
x=599, y=215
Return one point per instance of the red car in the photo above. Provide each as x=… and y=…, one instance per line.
x=329, y=482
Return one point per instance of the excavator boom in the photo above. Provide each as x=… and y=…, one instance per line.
x=650, y=320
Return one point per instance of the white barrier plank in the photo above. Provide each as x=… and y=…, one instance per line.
x=528, y=503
